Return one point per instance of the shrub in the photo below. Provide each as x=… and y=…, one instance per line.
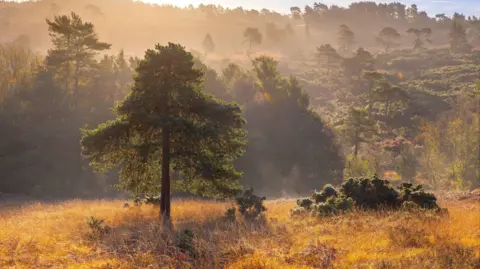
x=230, y=214
x=415, y=194
x=327, y=192
x=250, y=205
x=371, y=193
x=366, y=193
x=184, y=241
x=305, y=202
x=333, y=205
x=97, y=228
x=152, y=199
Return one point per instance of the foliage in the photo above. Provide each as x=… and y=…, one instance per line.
x=388, y=38
x=197, y=135
x=185, y=241
x=250, y=205
x=97, y=228
x=230, y=214
x=366, y=193
x=75, y=45
x=345, y=39
x=252, y=36
x=421, y=36
x=458, y=38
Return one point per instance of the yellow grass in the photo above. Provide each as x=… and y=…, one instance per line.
x=57, y=236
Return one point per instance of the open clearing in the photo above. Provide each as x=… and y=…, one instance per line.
x=56, y=236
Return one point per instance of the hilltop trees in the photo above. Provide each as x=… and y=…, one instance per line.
x=75, y=45
x=328, y=56
x=168, y=124
x=287, y=140
x=421, y=36
x=357, y=128
x=252, y=36
x=458, y=38
x=388, y=37
x=345, y=39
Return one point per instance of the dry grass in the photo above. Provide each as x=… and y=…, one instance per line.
x=57, y=236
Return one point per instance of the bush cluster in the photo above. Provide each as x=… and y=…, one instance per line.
x=248, y=204
x=365, y=193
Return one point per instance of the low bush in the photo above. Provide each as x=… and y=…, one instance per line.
x=185, y=242
x=366, y=193
x=250, y=205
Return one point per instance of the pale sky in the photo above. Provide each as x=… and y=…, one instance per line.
x=432, y=7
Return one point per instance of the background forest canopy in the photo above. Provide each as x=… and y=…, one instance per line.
x=328, y=92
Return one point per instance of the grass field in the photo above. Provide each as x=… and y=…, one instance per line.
x=57, y=236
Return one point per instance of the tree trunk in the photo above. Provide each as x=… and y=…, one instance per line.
x=77, y=72
x=165, y=192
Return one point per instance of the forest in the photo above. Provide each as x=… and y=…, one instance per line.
x=327, y=92
x=135, y=135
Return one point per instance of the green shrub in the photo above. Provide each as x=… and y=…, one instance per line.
x=230, y=214
x=184, y=241
x=97, y=228
x=371, y=193
x=366, y=193
x=415, y=194
x=299, y=211
x=327, y=192
x=305, y=202
x=333, y=205
x=250, y=205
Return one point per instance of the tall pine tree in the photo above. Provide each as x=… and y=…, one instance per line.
x=168, y=124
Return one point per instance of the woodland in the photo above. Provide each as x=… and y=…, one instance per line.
x=284, y=103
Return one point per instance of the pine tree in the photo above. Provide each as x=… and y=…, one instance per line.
x=75, y=46
x=252, y=36
x=422, y=36
x=346, y=38
x=357, y=128
x=328, y=56
x=388, y=37
x=168, y=124
x=458, y=38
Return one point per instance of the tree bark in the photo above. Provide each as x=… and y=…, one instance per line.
x=165, y=191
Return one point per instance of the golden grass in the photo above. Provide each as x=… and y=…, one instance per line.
x=56, y=236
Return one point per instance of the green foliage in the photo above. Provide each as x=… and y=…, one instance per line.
x=371, y=192
x=345, y=38
x=75, y=45
x=285, y=134
x=415, y=194
x=327, y=192
x=185, y=241
x=97, y=228
x=366, y=193
x=333, y=205
x=388, y=38
x=250, y=205
x=230, y=214
x=204, y=133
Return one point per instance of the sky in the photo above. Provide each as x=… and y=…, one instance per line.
x=432, y=7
